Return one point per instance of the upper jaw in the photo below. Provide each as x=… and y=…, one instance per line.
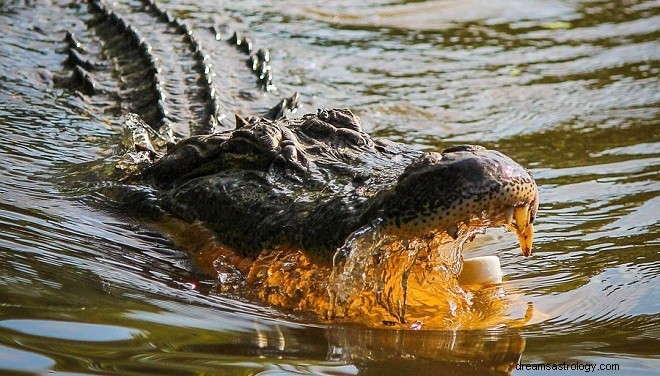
x=464, y=186
x=518, y=195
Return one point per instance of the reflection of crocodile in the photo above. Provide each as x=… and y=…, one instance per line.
x=303, y=187
x=381, y=352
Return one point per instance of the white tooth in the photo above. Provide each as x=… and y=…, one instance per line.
x=521, y=215
x=509, y=215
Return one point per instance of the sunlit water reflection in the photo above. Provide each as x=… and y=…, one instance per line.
x=569, y=89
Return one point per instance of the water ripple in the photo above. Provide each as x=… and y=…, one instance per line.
x=569, y=90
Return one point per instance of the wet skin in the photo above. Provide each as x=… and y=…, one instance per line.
x=311, y=182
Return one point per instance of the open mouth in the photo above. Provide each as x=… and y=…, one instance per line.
x=379, y=278
x=385, y=277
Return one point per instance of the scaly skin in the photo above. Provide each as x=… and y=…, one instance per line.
x=311, y=182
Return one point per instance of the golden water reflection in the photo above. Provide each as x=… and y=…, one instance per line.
x=451, y=352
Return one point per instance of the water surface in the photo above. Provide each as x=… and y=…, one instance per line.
x=569, y=89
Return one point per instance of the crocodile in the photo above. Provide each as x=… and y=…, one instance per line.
x=311, y=213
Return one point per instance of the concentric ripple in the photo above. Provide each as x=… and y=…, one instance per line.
x=568, y=89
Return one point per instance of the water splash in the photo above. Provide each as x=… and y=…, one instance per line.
x=378, y=278
x=394, y=280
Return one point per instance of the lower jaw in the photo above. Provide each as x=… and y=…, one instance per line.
x=429, y=299
x=415, y=283
x=383, y=281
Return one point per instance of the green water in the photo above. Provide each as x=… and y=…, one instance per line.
x=569, y=89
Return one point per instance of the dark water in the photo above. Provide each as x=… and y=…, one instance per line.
x=569, y=89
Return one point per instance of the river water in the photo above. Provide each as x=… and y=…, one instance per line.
x=569, y=89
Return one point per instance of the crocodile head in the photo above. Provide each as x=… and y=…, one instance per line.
x=450, y=190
